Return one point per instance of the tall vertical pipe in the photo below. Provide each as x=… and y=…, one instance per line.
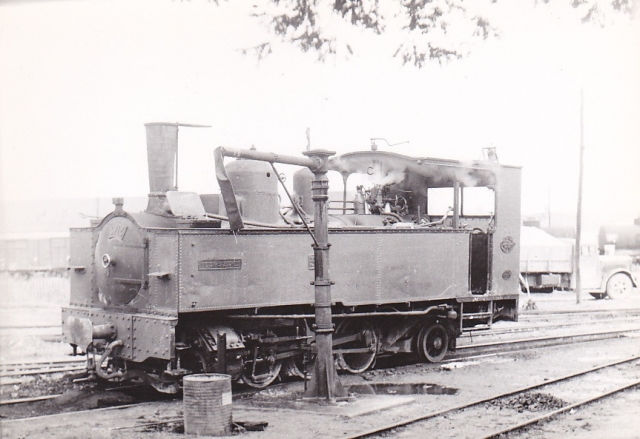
x=162, y=148
x=324, y=382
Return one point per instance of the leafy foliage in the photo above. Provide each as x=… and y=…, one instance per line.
x=422, y=30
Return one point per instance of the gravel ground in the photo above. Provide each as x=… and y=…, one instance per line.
x=290, y=418
x=438, y=386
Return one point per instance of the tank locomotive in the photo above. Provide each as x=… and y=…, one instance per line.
x=422, y=250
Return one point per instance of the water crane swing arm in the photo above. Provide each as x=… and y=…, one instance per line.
x=226, y=187
x=324, y=383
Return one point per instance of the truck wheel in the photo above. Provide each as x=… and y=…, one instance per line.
x=618, y=286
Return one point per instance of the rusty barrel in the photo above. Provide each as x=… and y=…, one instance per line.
x=207, y=404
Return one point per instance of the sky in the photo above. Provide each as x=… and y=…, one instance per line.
x=78, y=79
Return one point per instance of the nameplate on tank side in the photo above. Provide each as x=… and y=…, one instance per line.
x=219, y=264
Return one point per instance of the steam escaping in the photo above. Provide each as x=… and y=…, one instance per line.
x=385, y=168
x=378, y=175
x=379, y=169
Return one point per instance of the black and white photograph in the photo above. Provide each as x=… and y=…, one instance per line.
x=324, y=219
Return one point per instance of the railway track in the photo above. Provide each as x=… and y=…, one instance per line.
x=620, y=375
x=577, y=312
x=470, y=346
x=542, y=327
x=467, y=343
x=625, y=371
x=168, y=416
x=465, y=352
x=27, y=368
x=23, y=369
x=505, y=346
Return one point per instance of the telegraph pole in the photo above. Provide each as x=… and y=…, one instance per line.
x=579, y=214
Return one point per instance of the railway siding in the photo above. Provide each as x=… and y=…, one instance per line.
x=480, y=378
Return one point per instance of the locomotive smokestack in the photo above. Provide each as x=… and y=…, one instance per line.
x=162, y=149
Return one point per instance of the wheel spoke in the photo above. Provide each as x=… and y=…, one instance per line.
x=367, y=338
x=293, y=367
x=261, y=373
x=433, y=342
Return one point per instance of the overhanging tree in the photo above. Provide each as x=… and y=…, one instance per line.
x=417, y=31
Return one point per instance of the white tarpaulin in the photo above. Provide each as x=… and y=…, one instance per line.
x=543, y=253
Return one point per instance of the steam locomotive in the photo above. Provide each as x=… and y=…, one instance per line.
x=422, y=249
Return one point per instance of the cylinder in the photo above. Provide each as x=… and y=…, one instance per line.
x=256, y=188
x=358, y=204
x=207, y=404
x=302, y=190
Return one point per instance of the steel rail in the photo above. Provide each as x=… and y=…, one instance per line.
x=406, y=422
x=30, y=327
x=149, y=424
x=79, y=412
x=32, y=399
x=561, y=410
x=43, y=362
x=46, y=397
x=40, y=372
x=27, y=367
x=569, y=337
x=562, y=313
x=545, y=326
x=472, y=356
x=464, y=357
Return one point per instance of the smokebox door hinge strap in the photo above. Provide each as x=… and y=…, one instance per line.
x=145, y=263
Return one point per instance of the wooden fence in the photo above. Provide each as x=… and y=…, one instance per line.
x=34, y=289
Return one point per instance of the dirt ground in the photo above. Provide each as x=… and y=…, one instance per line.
x=417, y=389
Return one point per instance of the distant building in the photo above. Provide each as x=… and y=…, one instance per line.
x=34, y=251
x=35, y=233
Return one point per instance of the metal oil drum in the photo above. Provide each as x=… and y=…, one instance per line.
x=256, y=188
x=207, y=404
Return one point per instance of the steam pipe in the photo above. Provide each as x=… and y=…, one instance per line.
x=343, y=315
x=438, y=222
x=250, y=223
x=101, y=373
x=312, y=163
